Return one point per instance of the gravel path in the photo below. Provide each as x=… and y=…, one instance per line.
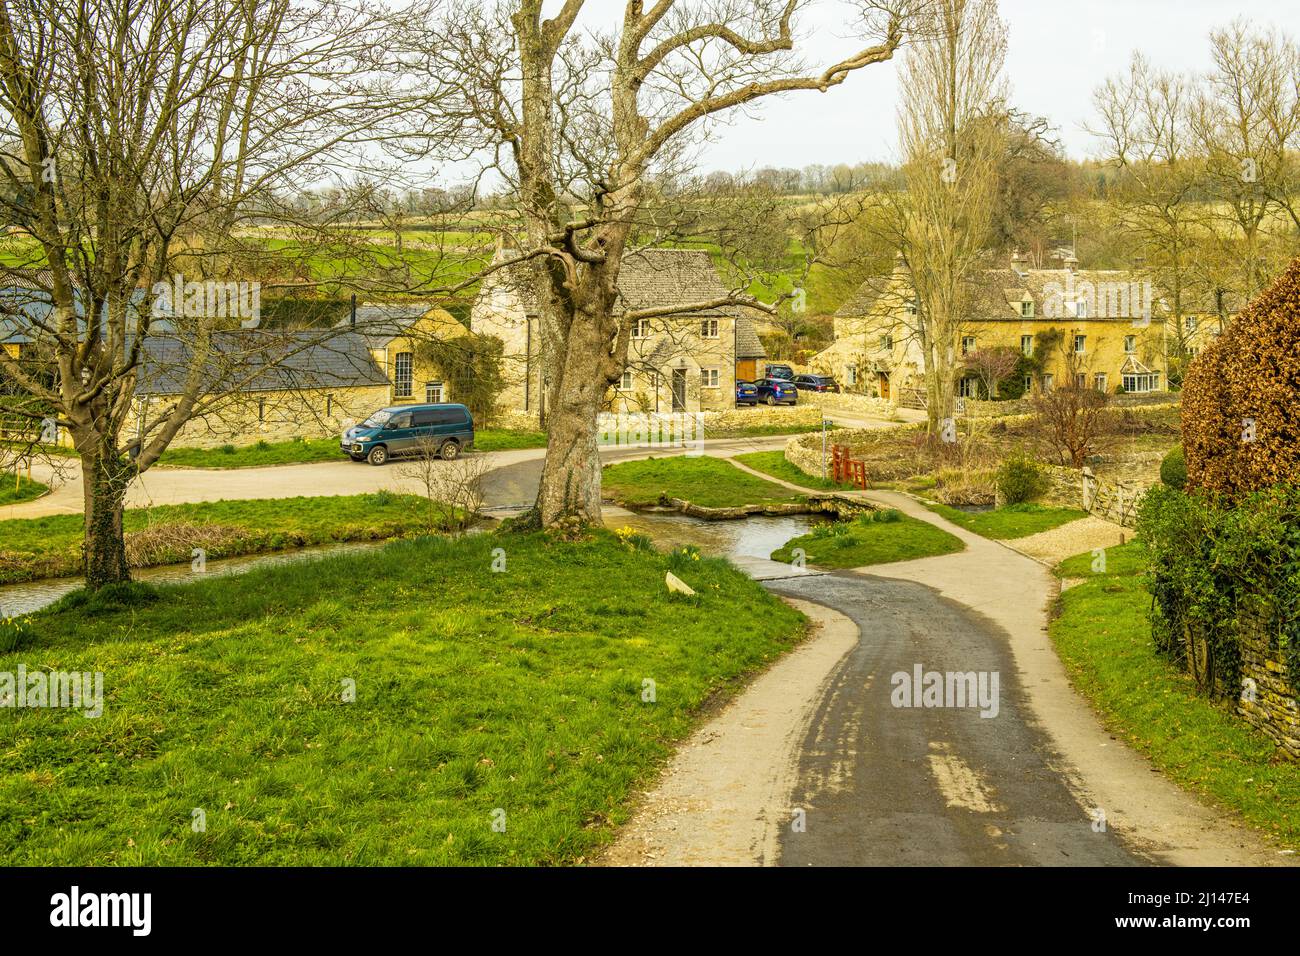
x=1054, y=546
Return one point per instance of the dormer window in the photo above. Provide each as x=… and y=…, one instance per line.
x=1027, y=308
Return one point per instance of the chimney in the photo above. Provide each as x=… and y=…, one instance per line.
x=1072, y=261
x=1018, y=262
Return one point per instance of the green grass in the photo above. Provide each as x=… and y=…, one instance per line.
x=708, y=482
x=1010, y=521
x=310, y=450
x=877, y=538
x=774, y=463
x=24, y=489
x=1103, y=636
x=475, y=693
x=1126, y=560
x=32, y=548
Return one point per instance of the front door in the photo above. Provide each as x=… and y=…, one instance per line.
x=679, y=389
x=884, y=385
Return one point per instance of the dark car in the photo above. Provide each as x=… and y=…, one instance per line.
x=815, y=383
x=783, y=372
x=408, y=430
x=777, y=391
x=746, y=393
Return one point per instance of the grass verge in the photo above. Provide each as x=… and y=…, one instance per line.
x=774, y=463
x=32, y=548
x=1102, y=633
x=309, y=450
x=1009, y=521
x=475, y=693
x=708, y=482
x=24, y=489
x=875, y=538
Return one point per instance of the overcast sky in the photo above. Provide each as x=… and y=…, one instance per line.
x=1059, y=51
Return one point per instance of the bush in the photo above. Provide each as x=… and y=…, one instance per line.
x=1241, y=398
x=1021, y=479
x=1173, y=469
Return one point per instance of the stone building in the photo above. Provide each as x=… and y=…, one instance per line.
x=1103, y=328
x=686, y=362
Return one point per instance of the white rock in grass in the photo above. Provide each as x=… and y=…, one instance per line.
x=677, y=584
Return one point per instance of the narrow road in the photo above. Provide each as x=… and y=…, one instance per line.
x=883, y=785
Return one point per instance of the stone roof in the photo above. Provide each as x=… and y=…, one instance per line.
x=276, y=361
x=748, y=344
x=648, y=279
x=381, y=322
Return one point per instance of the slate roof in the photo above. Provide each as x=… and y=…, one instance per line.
x=649, y=278
x=276, y=361
x=378, y=323
x=748, y=344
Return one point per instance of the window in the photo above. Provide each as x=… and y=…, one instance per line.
x=1141, y=381
x=433, y=392
x=261, y=409
x=1048, y=381
x=1081, y=308
x=1130, y=344
x=851, y=374
x=708, y=378
x=967, y=344
x=1099, y=381
x=1027, y=308
x=1081, y=380
x=709, y=329
x=403, y=379
x=966, y=388
x=1080, y=344
x=1190, y=322
x=329, y=406
x=1029, y=384
x=887, y=342
x=1027, y=344
x=641, y=329
x=626, y=384
x=910, y=308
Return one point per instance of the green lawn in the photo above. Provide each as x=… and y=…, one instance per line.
x=1103, y=636
x=876, y=538
x=774, y=463
x=516, y=698
x=704, y=481
x=23, y=489
x=1009, y=521
x=32, y=548
x=320, y=449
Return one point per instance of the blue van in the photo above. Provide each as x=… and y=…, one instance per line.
x=407, y=430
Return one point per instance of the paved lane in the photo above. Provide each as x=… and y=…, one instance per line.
x=894, y=786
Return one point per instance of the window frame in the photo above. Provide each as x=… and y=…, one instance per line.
x=407, y=390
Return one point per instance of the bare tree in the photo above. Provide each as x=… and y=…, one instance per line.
x=453, y=489
x=1071, y=417
x=992, y=366
x=582, y=128
x=138, y=142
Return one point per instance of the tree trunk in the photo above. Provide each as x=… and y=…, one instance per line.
x=570, y=483
x=104, y=548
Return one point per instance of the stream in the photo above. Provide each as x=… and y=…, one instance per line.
x=748, y=537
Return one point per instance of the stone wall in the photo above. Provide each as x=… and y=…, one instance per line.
x=1267, y=700
x=1148, y=401
x=847, y=402
x=805, y=451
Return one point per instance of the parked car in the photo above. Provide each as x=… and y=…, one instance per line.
x=783, y=372
x=407, y=430
x=816, y=383
x=776, y=391
x=746, y=393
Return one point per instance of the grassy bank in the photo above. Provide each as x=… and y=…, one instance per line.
x=774, y=463
x=1010, y=521
x=32, y=548
x=708, y=482
x=1102, y=635
x=876, y=538
x=309, y=450
x=24, y=489
x=762, y=431
x=517, y=698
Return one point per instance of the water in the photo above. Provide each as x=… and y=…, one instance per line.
x=33, y=595
x=755, y=537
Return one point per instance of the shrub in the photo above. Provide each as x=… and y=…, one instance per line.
x=1020, y=479
x=1241, y=397
x=1173, y=469
x=227, y=449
